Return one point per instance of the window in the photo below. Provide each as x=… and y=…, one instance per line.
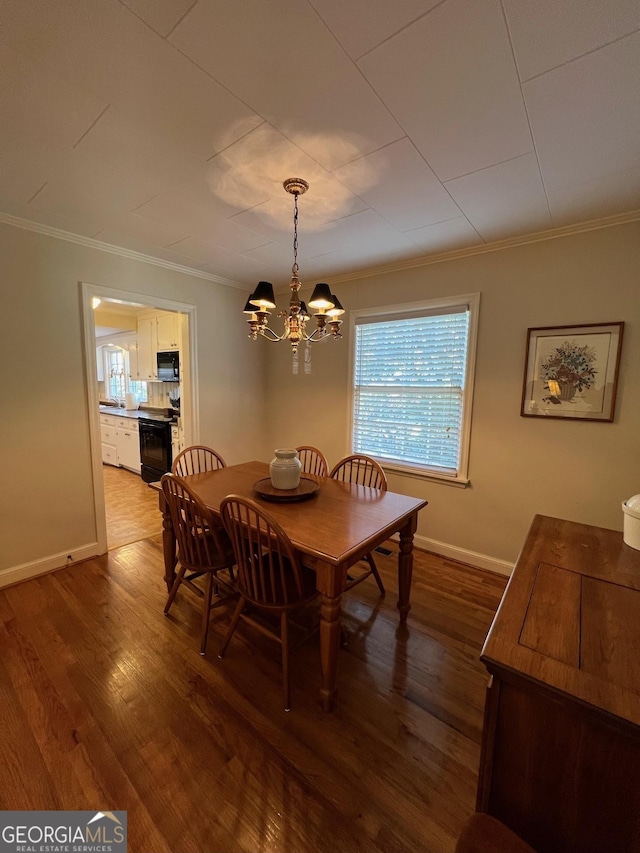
x=116, y=376
x=412, y=385
x=118, y=381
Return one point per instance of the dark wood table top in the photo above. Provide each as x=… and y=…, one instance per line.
x=336, y=525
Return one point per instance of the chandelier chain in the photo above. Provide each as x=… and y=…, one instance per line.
x=294, y=268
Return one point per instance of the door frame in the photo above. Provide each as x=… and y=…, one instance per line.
x=189, y=378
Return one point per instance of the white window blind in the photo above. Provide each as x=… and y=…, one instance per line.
x=409, y=383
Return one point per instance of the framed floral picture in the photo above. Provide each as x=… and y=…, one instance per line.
x=572, y=372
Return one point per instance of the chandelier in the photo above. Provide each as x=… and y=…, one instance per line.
x=262, y=301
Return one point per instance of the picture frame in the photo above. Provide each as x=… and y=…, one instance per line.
x=571, y=372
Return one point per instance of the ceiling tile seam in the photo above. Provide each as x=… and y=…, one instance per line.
x=215, y=245
x=359, y=157
x=90, y=128
x=218, y=82
x=239, y=139
x=441, y=222
x=37, y=192
x=485, y=168
x=419, y=227
x=354, y=63
x=142, y=204
x=526, y=111
x=199, y=67
x=382, y=148
x=142, y=20
x=242, y=101
x=181, y=19
x=455, y=218
x=442, y=184
x=328, y=28
x=581, y=56
x=401, y=30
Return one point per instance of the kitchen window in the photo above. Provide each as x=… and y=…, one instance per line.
x=118, y=382
x=412, y=386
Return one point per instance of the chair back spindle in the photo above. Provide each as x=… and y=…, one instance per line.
x=313, y=461
x=362, y=470
x=269, y=569
x=197, y=459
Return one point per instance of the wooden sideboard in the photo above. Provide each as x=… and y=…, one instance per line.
x=560, y=760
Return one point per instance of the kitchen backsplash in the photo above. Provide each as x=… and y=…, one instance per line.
x=158, y=393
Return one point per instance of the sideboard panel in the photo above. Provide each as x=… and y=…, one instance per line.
x=560, y=760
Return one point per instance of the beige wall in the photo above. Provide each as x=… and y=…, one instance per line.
x=251, y=403
x=518, y=466
x=46, y=506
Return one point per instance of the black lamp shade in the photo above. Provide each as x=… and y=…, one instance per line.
x=321, y=297
x=304, y=312
x=337, y=309
x=249, y=308
x=263, y=296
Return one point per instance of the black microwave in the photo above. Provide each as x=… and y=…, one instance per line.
x=169, y=366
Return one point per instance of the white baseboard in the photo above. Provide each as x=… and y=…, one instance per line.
x=472, y=558
x=16, y=574
x=481, y=561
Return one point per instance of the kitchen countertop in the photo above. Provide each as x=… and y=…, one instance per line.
x=135, y=414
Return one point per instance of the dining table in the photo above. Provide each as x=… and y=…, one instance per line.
x=332, y=529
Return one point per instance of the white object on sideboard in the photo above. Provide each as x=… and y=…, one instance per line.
x=631, y=510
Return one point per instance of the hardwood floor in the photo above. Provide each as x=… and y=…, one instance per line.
x=131, y=507
x=107, y=704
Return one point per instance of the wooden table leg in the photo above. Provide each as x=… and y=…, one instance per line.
x=330, y=583
x=405, y=566
x=168, y=543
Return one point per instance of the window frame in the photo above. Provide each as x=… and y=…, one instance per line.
x=111, y=347
x=471, y=302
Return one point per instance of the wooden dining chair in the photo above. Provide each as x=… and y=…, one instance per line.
x=364, y=471
x=271, y=576
x=197, y=459
x=204, y=550
x=313, y=460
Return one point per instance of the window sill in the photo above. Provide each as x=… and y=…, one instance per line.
x=432, y=476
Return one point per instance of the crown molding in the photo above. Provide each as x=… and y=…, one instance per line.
x=92, y=243
x=369, y=272
x=497, y=246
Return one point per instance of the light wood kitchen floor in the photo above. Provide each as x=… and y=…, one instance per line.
x=107, y=704
x=131, y=507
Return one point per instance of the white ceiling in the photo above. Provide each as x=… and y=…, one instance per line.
x=167, y=126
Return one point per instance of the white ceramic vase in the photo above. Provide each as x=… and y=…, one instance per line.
x=285, y=469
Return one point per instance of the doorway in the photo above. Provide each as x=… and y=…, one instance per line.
x=126, y=509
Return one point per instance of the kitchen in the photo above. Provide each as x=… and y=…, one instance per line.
x=140, y=353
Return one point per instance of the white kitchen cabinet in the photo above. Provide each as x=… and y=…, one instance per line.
x=147, y=349
x=177, y=441
x=120, y=442
x=109, y=454
x=168, y=331
x=108, y=439
x=133, y=360
x=128, y=444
